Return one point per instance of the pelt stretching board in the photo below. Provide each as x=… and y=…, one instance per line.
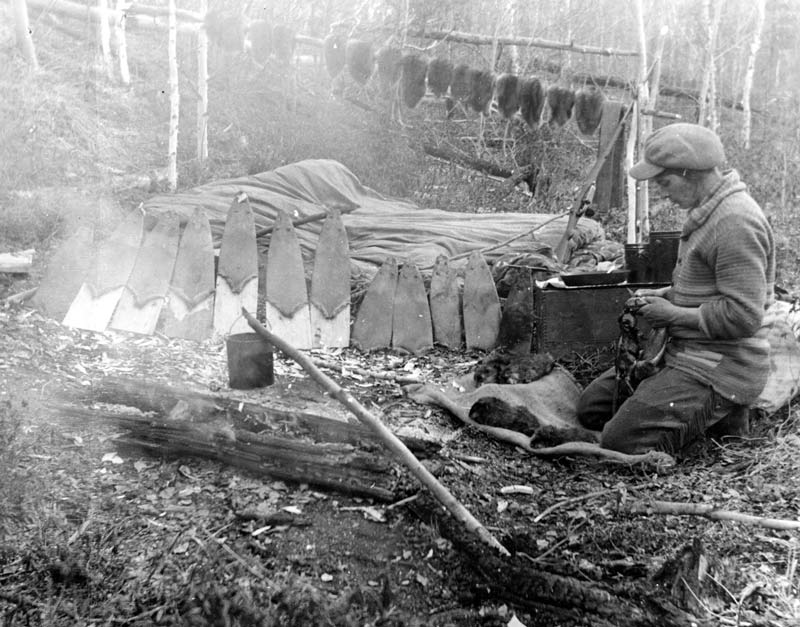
x=287, y=310
x=105, y=282
x=330, y=286
x=141, y=303
x=237, y=270
x=373, y=326
x=189, y=313
x=65, y=273
x=445, y=305
x=411, y=317
x=481, y=305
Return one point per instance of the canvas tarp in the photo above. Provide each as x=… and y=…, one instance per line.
x=377, y=227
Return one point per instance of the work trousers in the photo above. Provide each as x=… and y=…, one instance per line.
x=666, y=412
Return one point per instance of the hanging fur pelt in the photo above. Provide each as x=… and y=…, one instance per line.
x=507, y=92
x=360, y=60
x=561, y=101
x=259, y=34
x=283, y=42
x=589, y=108
x=388, y=61
x=440, y=74
x=481, y=88
x=334, y=53
x=412, y=80
x=531, y=101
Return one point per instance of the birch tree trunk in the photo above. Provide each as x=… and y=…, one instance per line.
x=105, y=38
x=22, y=31
x=755, y=46
x=122, y=42
x=202, y=89
x=644, y=125
x=707, y=116
x=174, y=98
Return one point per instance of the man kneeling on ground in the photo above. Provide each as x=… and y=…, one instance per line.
x=717, y=357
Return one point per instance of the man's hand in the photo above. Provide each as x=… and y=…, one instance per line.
x=661, y=291
x=658, y=311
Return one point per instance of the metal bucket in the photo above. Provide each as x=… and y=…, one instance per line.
x=638, y=262
x=249, y=361
x=664, y=253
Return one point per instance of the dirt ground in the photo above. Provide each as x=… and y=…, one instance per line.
x=100, y=532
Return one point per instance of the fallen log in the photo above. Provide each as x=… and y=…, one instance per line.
x=334, y=466
x=161, y=399
x=442, y=494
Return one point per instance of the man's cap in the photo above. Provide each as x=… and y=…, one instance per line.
x=679, y=147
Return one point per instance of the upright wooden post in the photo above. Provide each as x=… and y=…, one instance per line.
x=174, y=98
x=202, y=88
x=22, y=31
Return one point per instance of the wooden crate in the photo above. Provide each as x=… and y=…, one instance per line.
x=578, y=320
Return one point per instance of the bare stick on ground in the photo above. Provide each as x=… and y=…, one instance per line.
x=388, y=438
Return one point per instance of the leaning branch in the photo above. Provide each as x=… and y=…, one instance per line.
x=389, y=439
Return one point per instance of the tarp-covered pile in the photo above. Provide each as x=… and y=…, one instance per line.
x=377, y=226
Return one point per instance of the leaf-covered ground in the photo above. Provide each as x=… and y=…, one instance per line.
x=99, y=533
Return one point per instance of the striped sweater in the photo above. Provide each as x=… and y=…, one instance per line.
x=726, y=268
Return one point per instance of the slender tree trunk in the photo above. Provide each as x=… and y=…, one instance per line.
x=23, y=33
x=644, y=125
x=708, y=115
x=202, y=89
x=174, y=98
x=755, y=46
x=105, y=38
x=514, y=20
x=121, y=41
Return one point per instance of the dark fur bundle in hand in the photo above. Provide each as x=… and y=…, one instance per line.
x=561, y=101
x=412, y=81
x=360, y=60
x=440, y=74
x=226, y=30
x=589, y=108
x=531, y=101
x=334, y=53
x=283, y=42
x=507, y=91
x=481, y=88
x=500, y=366
x=260, y=36
x=388, y=60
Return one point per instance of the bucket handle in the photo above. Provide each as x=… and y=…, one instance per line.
x=240, y=316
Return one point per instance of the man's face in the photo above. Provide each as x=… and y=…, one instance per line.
x=680, y=190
